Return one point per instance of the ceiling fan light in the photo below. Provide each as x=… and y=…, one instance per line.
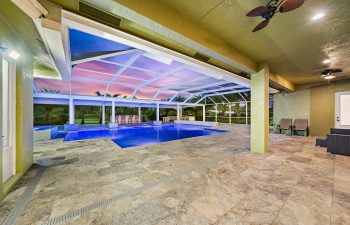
x=329, y=77
x=318, y=16
x=15, y=55
x=326, y=61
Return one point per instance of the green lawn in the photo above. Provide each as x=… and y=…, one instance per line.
x=88, y=121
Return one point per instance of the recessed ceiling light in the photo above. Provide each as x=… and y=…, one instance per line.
x=318, y=16
x=326, y=61
x=14, y=55
x=329, y=77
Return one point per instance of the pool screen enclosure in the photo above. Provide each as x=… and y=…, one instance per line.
x=108, y=67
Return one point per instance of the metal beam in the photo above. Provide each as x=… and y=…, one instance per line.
x=104, y=73
x=173, y=97
x=66, y=46
x=225, y=98
x=242, y=97
x=103, y=81
x=75, y=62
x=177, y=85
x=34, y=86
x=231, y=92
x=216, y=90
x=212, y=100
x=60, y=97
x=205, y=86
x=131, y=67
x=187, y=99
x=167, y=73
x=184, y=82
x=123, y=68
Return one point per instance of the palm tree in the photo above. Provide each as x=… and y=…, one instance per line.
x=179, y=99
x=114, y=96
x=49, y=90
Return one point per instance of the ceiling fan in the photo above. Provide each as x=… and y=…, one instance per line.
x=274, y=6
x=328, y=73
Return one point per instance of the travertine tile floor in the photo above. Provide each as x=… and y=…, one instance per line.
x=202, y=180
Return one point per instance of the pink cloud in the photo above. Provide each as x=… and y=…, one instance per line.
x=99, y=66
x=59, y=85
x=83, y=87
x=145, y=75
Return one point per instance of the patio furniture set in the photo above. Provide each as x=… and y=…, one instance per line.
x=173, y=118
x=337, y=141
x=127, y=119
x=300, y=125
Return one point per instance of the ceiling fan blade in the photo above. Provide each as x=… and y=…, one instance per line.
x=258, y=11
x=337, y=70
x=290, y=5
x=261, y=25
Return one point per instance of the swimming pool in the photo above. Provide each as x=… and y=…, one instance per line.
x=144, y=134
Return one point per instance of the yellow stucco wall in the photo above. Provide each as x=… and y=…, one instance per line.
x=321, y=110
x=315, y=104
x=24, y=98
x=260, y=110
x=294, y=105
x=322, y=106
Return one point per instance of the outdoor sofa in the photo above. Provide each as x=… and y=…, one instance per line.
x=338, y=141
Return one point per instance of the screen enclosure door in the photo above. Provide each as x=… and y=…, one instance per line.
x=8, y=117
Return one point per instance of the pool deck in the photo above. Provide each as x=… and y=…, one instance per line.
x=202, y=180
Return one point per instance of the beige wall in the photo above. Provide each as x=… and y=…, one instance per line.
x=294, y=105
x=315, y=104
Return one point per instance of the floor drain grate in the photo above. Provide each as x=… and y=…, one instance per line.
x=130, y=193
x=22, y=202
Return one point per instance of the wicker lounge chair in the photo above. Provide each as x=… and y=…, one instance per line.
x=338, y=141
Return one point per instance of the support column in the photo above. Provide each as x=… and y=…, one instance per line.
x=103, y=114
x=178, y=112
x=203, y=112
x=71, y=111
x=113, y=112
x=246, y=113
x=229, y=113
x=139, y=110
x=216, y=113
x=157, y=111
x=260, y=110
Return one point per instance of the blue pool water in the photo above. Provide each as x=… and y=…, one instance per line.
x=142, y=135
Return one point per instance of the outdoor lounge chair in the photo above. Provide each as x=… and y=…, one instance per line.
x=301, y=125
x=122, y=119
x=135, y=119
x=285, y=124
x=118, y=119
x=126, y=119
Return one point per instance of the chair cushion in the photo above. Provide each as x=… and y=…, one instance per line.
x=301, y=124
x=285, y=123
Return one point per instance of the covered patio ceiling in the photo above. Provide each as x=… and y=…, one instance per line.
x=127, y=69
